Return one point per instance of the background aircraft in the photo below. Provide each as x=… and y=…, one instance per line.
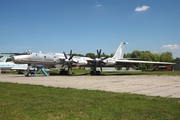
x=65, y=62
x=3, y=59
x=11, y=66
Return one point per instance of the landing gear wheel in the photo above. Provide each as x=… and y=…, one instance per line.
x=63, y=72
x=98, y=72
x=95, y=73
x=92, y=73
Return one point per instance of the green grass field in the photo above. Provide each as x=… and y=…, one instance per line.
x=80, y=72
x=31, y=102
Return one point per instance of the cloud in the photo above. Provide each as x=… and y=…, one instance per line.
x=143, y=8
x=98, y=5
x=171, y=47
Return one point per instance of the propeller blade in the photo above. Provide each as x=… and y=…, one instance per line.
x=101, y=67
x=62, y=66
x=70, y=57
x=65, y=55
x=69, y=66
x=70, y=52
x=99, y=53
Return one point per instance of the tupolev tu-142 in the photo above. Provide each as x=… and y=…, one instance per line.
x=65, y=62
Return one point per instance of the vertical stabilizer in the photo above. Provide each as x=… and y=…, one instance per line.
x=119, y=51
x=3, y=59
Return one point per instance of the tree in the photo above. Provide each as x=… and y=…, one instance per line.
x=91, y=55
x=135, y=54
x=104, y=55
x=166, y=57
x=78, y=54
x=155, y=57
x=177, y=59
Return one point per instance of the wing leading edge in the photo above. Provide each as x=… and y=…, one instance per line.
x=139, y=61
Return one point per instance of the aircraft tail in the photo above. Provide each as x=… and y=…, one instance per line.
x=3, y=59
x=119, y=51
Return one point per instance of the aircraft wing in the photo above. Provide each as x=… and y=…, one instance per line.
x=90, y=62
x=139, y=61
x=18, y=68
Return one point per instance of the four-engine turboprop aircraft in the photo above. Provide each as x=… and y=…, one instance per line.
x=63, y=61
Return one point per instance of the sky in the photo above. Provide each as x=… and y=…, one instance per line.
x=87, y=25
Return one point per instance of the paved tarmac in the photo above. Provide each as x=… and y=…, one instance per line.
x=164, y=86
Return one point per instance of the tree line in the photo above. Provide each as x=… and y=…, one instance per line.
x=141, y=55
x=148, y=56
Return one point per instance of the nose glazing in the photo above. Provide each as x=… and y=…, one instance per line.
x=12, y=58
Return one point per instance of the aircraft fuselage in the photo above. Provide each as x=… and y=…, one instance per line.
x=12, y=66
x=37, y=58
x=49, y=60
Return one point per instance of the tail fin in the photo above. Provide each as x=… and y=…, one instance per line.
x=119, y=51
x=3, y=59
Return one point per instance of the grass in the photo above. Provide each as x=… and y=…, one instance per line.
x=172, y=73
x=29, y=102
x=80, y=72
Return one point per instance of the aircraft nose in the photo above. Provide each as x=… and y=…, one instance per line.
x=12, y=58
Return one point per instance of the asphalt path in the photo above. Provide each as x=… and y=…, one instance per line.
x=164, y=86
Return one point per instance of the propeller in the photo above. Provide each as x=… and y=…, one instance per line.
x=99, y=60
x=68, y=61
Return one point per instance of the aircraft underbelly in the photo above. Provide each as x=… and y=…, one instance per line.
x=5, y=68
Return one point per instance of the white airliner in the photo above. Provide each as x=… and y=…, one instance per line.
x=11, y=66
x=63, y=61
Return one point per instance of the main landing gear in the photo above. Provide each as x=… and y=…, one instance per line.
x=95, y=72
x=64, y=72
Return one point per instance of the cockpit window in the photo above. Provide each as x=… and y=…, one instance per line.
x=27, y=53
